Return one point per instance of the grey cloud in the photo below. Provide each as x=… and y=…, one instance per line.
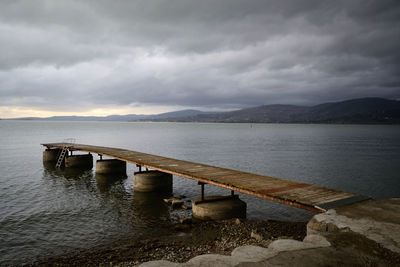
x=215, y=53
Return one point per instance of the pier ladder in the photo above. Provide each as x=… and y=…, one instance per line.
x=61, y=157
x=69, y=141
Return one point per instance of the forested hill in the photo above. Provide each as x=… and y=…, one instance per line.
x=363, y=110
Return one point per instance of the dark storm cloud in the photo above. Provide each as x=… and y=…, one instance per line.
x=196, y=53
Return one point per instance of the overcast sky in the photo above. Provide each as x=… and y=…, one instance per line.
x=119, y=57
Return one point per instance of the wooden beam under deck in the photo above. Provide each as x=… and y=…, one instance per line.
x=300, y=195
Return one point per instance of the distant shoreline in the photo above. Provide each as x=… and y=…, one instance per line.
x=216, y=122
x=353, y=111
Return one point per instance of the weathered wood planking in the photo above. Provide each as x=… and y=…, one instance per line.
x=301, y=195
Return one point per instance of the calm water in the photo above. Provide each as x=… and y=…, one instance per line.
x=45, y=212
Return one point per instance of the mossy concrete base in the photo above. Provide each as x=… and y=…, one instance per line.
x=51, y=155
x=110, y=166
x=152, y=181
x=79, y=161
x=219, y=208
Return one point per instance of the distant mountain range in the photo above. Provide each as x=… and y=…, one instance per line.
x=363, y=110
x=129, y=117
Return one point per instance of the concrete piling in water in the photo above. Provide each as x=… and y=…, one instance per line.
x=110, y=166
x=152, y=181
x=51, y=155
x=79, y=161
x=219, y=208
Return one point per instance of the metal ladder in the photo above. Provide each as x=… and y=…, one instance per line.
x=61, y=157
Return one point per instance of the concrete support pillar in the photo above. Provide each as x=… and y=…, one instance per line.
x=51, y=155
x=152, y=181
x=79, y=161
x=110, y=166
x=219, y=208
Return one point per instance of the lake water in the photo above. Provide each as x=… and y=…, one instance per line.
x=48, y=212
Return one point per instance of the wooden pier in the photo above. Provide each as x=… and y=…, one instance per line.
x=300, y=195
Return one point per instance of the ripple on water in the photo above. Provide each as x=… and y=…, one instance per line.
x=48, y=211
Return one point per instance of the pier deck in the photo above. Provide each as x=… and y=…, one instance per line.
x=300, y=195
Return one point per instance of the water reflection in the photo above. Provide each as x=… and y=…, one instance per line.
x=106, y=181
x=49, y=165
x=69, y=173
x=150, y=207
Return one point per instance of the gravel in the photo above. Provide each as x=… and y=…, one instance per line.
x=188, y=240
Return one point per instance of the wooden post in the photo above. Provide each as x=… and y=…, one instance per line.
x=201, y=190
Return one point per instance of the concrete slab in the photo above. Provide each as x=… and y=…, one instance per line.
x=377, y=220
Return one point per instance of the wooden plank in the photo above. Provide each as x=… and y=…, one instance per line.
x=301, y=195
x=313, y=195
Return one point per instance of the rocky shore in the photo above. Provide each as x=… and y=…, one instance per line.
x=361, y=234
x=187, y=240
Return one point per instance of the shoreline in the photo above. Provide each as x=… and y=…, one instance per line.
x=185, y=242
x=361, y=234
